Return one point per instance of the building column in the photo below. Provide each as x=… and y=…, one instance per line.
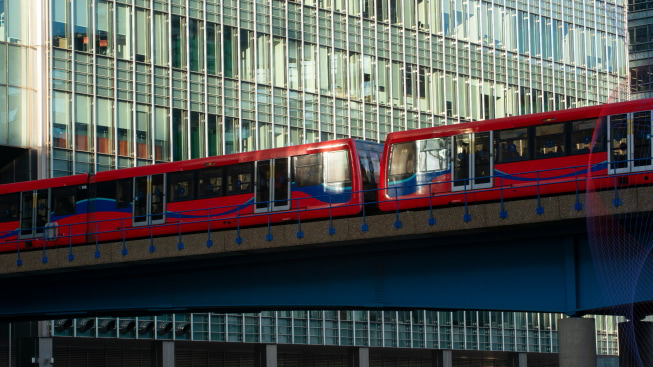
x=577, y=342
x=163, y=353
x=635, y=344
x=442, y=358
x=361, y=357
x=267, y=355
x=521, y=360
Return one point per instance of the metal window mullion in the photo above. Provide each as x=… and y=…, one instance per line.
x=152, y=72
x=316, y=57
x=465, y=329
x=564, y=51
x=389, y=72
x=404, y=66
x=493, y=49
x=188, y=72
x=255, y=57
x=240, y=78
x=503, y=334
x=272, y=74
x=530, y=58
x=72, y=94
x=376, y=81
x=362, y=83
x=115, y=87
x=242, y=323
x=479, y=48
x=573, y=20
x=323, y=328
x=133, y=72
x=339, y=327
x=347, y=74
x=206, y=81
x=334, y=125
x=382, y=328
x=541, y=39
x=94, y=106
x=410, y=330
x=430, y=69
x=300, y=82
x=222, y=81
x=469, y=71
x=437, y=320
x=171, y=144
x=287, y=77
x=48, y=129
x=456, y=76
x=192, y=327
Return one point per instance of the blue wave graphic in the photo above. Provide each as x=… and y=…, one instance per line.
x=408, y=186
x=320, y=192
x=594, y=168
x=174, y=215
x=10, y=234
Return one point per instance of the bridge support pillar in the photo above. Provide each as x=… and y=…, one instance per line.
x=577, y=342
x=521, y=360
x=164, y=354
x=635, y=344
x=267, y=355
x=361, y=357
x=442, y=358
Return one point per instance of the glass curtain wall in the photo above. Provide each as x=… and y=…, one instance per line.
x=219, y=77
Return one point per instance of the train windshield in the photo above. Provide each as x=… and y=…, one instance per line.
x=403, y=162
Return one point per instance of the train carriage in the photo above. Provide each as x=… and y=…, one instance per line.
x=300, y=182
x=552, y=152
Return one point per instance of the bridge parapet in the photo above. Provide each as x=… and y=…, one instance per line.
x=348, y=231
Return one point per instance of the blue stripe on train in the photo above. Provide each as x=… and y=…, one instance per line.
x=325, y=193
x=409, y=186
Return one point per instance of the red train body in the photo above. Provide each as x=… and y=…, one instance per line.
x=450, y=164
x=322, y=179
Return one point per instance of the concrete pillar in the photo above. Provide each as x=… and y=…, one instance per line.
x=521, y=360
x=577, y=342
x=267, y=355
x=361, y=357
x=442, y=358
x=164, y=354
x=635, y=344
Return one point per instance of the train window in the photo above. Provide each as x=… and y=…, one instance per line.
x=9, y=206
x=124, y=194
x=402, y=161
x=210, y=183
x=64, y=200
x=180, y=186
x=582, y=136
x=433, y=154
x=239, y=179
x=550, y=141
x=337, y=166
x=512, y=145
x=308, y=170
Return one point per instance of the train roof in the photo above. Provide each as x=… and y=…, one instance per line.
x=522, y=121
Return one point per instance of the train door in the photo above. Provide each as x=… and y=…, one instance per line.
x=472, y=161
x=272, y=185
x=149, y=200
x=629, y=142
x=34, y=212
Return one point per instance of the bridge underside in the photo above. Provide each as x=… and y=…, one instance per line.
x=576, y=264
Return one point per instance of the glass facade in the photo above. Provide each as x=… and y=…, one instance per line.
x=420, y=329
x=136, y=82
x=19, y=107
x=640, y=47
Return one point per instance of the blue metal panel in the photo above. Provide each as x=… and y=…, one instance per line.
x=534, y=272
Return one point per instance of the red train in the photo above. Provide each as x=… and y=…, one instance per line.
x=188, y=196
x=448, y=164
x=554, y=151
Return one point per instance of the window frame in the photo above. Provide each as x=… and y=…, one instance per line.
x=249, y=168
x=320, y=164
x=173, y=179
x=204, y=172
